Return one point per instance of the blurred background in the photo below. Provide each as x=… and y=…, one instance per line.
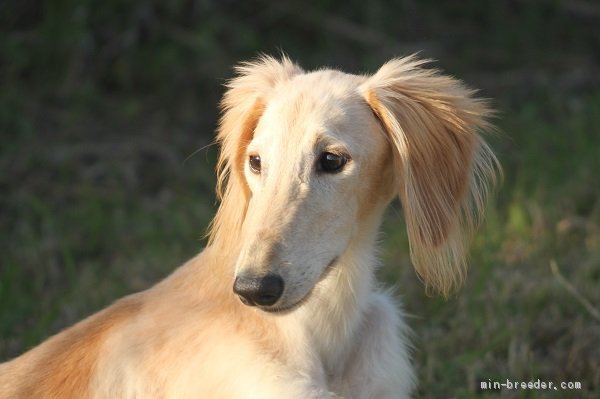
x=108, y=109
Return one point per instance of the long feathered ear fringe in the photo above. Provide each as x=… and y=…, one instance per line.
x=444, y=168
x=241, y=107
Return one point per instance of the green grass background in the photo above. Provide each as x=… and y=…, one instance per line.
x=107, y=110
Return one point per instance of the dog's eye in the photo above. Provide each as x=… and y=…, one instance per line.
x=331, y=163
x=254, y=162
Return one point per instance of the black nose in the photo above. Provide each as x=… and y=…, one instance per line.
x=262, y=291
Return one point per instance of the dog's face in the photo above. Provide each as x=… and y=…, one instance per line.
x=317, y=167
x=309, y=161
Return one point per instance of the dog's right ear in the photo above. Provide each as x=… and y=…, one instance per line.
x=242, y=106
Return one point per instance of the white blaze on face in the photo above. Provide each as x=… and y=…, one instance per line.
x=301, y=218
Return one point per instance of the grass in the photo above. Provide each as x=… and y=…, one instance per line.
x=102, y=192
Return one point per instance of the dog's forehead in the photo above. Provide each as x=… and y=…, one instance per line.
x=319, y=93
x=322, y=103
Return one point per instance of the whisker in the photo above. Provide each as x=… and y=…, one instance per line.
x=197, y=151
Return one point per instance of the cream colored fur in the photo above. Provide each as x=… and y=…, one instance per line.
x=406, y=131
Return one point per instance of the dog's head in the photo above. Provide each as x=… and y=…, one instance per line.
x=309, y=161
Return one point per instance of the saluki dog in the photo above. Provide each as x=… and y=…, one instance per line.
x=283, y=303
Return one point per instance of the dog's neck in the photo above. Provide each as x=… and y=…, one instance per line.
x=330, y=318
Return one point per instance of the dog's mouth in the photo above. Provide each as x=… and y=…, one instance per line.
x=286, y=309
x=282, y=310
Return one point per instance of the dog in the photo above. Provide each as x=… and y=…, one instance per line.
x=283, y=303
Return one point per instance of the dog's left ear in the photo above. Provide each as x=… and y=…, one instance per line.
x=443, y=167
